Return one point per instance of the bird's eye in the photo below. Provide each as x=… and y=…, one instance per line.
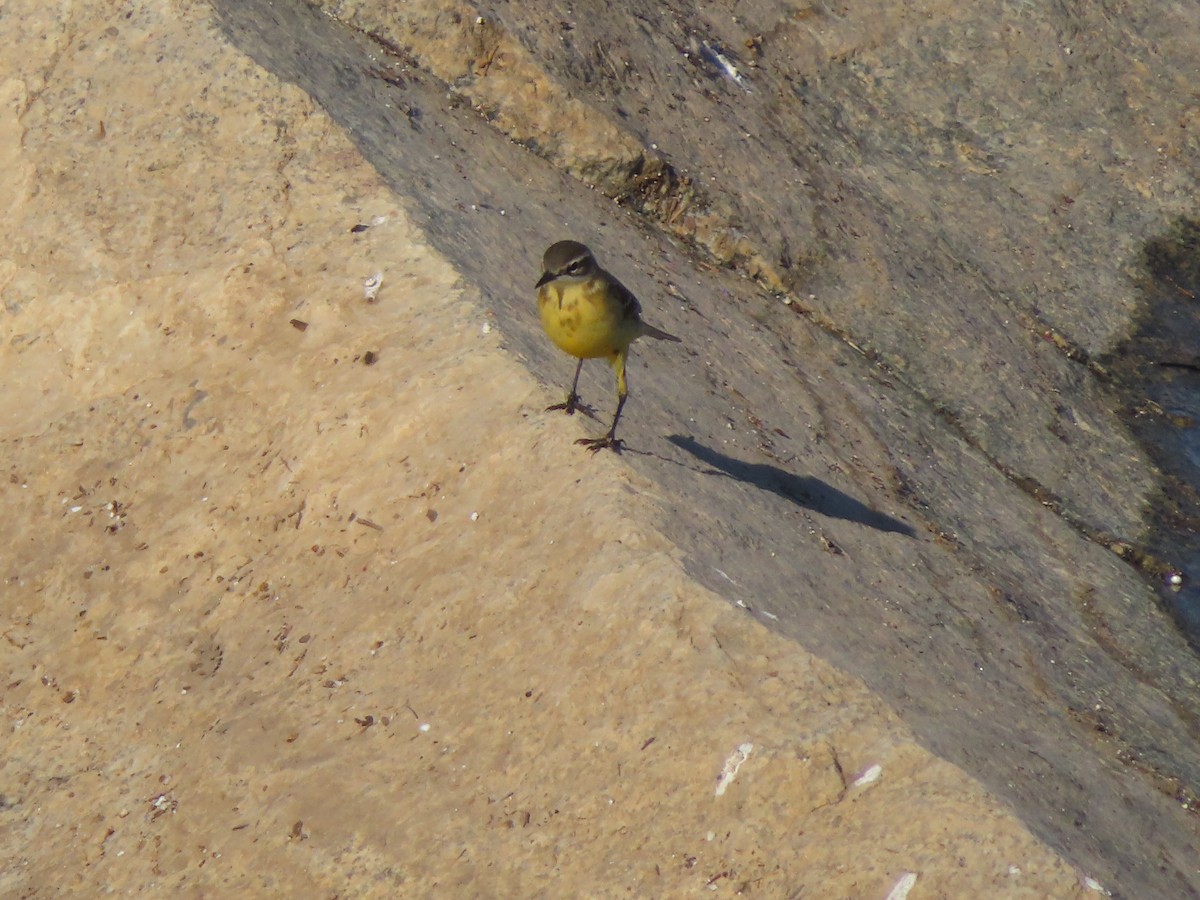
x=577, y=267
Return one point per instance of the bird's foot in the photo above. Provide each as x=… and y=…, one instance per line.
x=596, y=444
x=572, y=404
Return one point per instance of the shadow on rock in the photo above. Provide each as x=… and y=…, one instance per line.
x=807, y=491
x=1156, y=373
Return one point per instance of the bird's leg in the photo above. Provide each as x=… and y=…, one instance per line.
x=610, y=439
x=572, y=403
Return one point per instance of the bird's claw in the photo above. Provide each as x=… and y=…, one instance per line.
x=573, y=403
x=596, y=444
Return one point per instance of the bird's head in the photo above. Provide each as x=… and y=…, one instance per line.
x=569, y=260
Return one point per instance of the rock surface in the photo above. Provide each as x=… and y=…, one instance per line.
x=307, y=594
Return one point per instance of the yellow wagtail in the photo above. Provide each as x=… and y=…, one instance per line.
x=589, y=314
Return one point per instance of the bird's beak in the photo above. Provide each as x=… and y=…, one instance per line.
x=546, y=276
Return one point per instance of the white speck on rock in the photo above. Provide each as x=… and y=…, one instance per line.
x=903, y=886
x=732, y=764
x=371, y=287
x=869, y=775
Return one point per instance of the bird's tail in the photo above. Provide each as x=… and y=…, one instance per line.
x=658, y=333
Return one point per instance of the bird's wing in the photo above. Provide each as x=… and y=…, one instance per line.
x=630, y=308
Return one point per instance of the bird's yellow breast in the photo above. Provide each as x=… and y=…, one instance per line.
x=584, y=319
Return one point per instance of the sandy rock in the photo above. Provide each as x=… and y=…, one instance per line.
x=280, y=621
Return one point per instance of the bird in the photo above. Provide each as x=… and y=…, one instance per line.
x=589, y=314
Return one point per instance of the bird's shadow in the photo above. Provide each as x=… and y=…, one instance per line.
x=811, y=493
